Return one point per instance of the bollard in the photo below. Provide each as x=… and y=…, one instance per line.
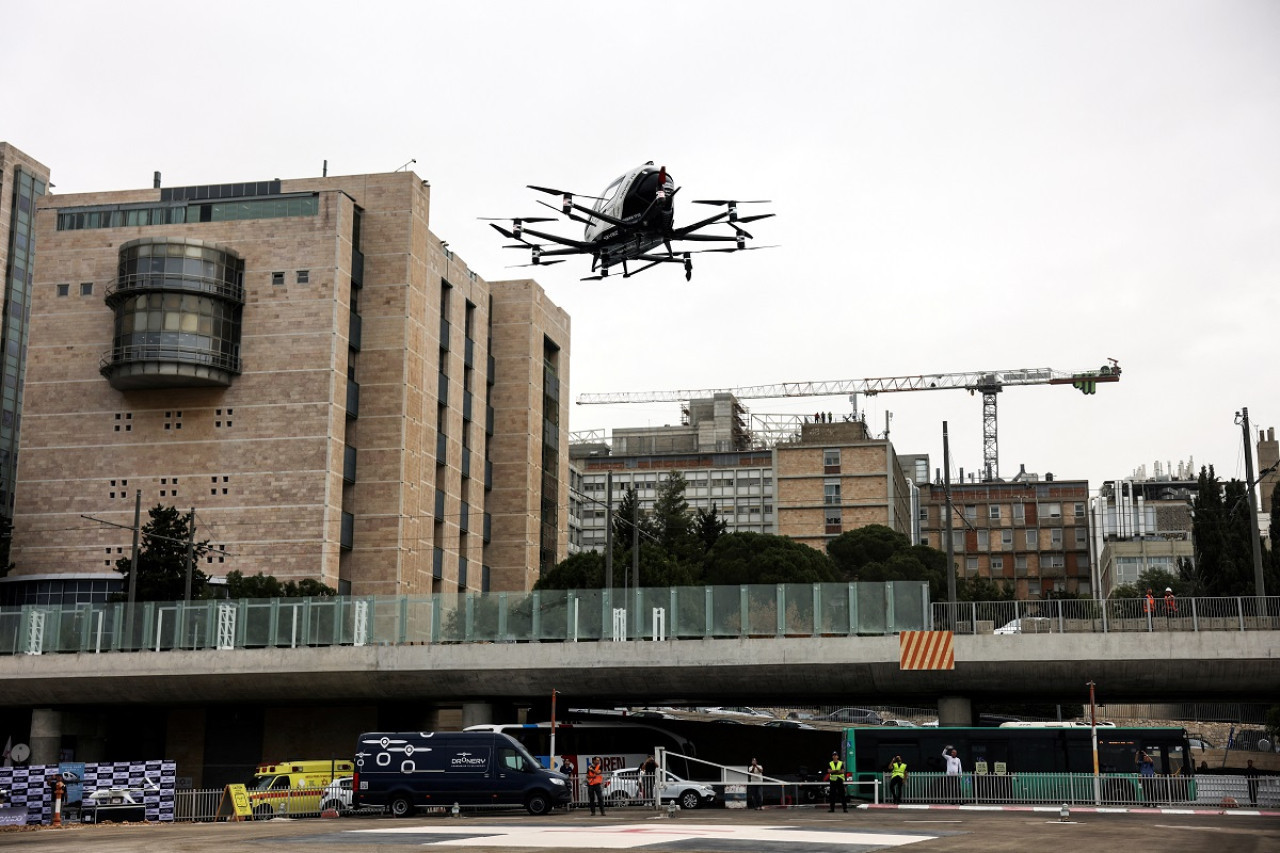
x=455, y=811
x=1065, y=814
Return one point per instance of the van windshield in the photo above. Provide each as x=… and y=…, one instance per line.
x=266, y=783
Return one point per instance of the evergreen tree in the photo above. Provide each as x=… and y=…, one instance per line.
x=240, y=585
x=877, y=553
x=709, y=526
x=1221, y=530
x=162, y=558
x=671, y=522
x=745, y=558
x=584, y=570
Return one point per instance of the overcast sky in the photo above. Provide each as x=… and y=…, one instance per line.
x=959, y=186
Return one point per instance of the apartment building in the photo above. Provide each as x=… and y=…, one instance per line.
x=1030, y=534
x=23, y=182
x=329, y=386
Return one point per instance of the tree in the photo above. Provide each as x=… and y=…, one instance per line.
x=982, y=589
x=1220, y=528
x=744, y=558
x=876, y=553
x=266, y=586
x=709, y=527
x=1156, y=580
x=671, y=521
x=584, y=570
x=162, y=558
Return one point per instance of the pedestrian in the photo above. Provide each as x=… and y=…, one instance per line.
x=755, y=782
x=897, y=778
x=835, y=778
x=1146, y=765
x=1170, y=603
x=569, y=767
x=954, y=771
x=1149, y=603
x=648, y=771
x=1251, y=778
x=595, y=785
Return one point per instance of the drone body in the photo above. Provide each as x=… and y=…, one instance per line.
x=633, y=220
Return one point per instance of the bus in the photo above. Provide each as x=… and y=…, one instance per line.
x=620, y=745
x=1025, y=764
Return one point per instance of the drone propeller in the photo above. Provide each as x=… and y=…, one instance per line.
x=738, y=249
x=724, y=201
x=516, y=218
x=535, y=264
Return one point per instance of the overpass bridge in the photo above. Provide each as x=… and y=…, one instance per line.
x=770, y=645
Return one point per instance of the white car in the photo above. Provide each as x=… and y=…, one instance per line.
x=903, y=723
x=625, y=785
x=337, y=795
x=739, y=711
x=1027, y=625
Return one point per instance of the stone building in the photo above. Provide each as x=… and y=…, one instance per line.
x=335, y=393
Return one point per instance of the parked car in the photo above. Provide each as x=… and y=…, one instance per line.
x=857, y=716
x=1200, y=744
x=337, y=795
x=787, y=724
x=1027, y=625
x=905, y=723
x=739, y=711
x=625, y=785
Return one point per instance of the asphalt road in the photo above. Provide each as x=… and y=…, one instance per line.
x=714, y=831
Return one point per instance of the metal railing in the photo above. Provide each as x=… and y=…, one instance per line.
x=1058, y=616
x=657, y=614
x=1050, y=788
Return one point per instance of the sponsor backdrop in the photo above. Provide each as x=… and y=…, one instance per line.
x=28, y=786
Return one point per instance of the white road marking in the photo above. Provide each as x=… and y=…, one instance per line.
x=630, y=836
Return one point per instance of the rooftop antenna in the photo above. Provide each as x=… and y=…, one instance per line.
x=407, y=165
x=324, y=172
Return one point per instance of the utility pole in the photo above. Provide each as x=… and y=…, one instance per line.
x=133, y=569
x=191, y=552
x=1259, y=582
x=951, y=548
x=608, y=530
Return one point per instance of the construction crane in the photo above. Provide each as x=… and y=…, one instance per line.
x=987, y=382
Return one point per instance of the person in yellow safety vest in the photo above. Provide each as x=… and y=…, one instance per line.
x=835, y=776
x=897, y=778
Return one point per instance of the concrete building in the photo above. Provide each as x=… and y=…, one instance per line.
x=23, y=182
x=1143, y=523
x=818, y=481
x=1029, y=534
x=1268, y=458
x=333, y=390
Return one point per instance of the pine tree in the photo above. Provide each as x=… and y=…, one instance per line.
x=162, y=558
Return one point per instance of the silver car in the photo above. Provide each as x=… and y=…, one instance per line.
x=624, y=785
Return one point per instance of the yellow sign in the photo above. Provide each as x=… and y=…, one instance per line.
x=235, y=803
x=980, y=768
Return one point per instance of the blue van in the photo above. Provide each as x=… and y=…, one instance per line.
x=405, y=771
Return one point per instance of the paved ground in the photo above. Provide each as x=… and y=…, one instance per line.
x=716, y=831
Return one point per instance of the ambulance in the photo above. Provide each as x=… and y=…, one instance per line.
x=292, y=787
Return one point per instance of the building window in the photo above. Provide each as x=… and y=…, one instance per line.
x=1020, y=563
x=971, y=563
x=64, y=290
x=957, y=540
x=924, y=513
x=984, y=540
x=86, y=288
x=997, y=564
x=1055, y=537
x=1052, y=561
x=971, y=512
x=304, y=276
x=1019, y=514
x=831, y=460
x=1006, y=538
x=1082, y=537
x=1079, y=510
x=1032, y=538
x=1053, y=510
x=277, y=278
x=831, y=492
x=993, y=512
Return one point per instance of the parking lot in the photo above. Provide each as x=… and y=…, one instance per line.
x=770, y=831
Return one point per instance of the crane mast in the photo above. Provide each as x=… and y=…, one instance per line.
x=989, y=383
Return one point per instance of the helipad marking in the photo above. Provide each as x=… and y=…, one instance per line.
x=631, y=836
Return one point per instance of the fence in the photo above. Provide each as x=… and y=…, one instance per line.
x=758, y=610
x=1070, y=788
x=1057, y=616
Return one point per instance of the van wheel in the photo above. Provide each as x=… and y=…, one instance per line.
x=263, y=813
x=400, y=806
x=538, y=804
x=690, y=800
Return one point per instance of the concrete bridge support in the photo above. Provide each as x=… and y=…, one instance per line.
x=46, y=735
x=477, y=714
x=955, y=711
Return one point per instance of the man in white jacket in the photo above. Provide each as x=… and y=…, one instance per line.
x=954, y=770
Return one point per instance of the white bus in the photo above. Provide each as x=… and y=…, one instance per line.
x=620, y=745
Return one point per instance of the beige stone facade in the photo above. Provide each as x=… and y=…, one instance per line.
x=837, y=478
x=355, y=443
